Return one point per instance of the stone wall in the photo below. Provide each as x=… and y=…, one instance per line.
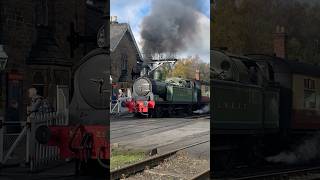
x=126, y=46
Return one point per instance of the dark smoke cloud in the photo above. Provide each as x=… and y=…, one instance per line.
x=170, y=26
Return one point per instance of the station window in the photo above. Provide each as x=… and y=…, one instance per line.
x=309, y=84
x=124, y=62
x=310, y=100
x=40, y=84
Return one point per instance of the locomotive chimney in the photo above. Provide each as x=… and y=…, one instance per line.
x=280, y=42
x=197, y=75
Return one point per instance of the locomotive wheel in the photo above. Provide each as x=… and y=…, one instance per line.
x=170, y=111
x=189, y=110
x=158, y=112
x=137, y=115
x=151, y=113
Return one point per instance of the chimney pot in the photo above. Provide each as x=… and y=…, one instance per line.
x=197, y=75
x=280, y=42
x=114, y=19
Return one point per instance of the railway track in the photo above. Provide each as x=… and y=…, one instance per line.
x=130, y=123
x=203, y=175
x=166, y=126
x=155, y=161
x=143, y=122
x=281, y=173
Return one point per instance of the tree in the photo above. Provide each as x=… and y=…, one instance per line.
x=247, y=26
x=186, y=68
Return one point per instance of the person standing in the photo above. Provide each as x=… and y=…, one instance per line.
x=36, y=101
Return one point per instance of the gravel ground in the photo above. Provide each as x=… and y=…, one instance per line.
x=180, y=166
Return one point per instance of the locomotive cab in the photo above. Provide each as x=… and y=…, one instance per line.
x=243, y=98
x=242, y=69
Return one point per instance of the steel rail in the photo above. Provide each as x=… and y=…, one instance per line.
x=168, y=126
x=146, y=122
x=283, y=172
x=148, y=163
x=203, y=175
x=153, y=121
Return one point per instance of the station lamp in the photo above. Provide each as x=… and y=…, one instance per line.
x=3, y=58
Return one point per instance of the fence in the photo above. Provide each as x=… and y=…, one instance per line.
x=116, y=105
x=30, y=152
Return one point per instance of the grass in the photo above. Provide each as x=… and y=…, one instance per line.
x=120, y=158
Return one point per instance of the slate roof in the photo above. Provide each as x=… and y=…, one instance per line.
x=117, y=32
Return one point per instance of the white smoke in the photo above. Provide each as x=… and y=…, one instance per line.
x=205, y=109
x=305, y=152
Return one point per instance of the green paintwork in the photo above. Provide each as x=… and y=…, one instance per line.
x=241, y=106
x=271, y=114
x=179, y=94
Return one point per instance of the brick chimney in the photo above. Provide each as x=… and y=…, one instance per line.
x=280, y=42
x=114, y=19
x=197, y=75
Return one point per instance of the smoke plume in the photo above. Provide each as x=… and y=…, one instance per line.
x=170, y=26
x=303, y=153
x=205, y=109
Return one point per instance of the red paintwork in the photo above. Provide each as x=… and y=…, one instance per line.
x=130, y=105
x=140, y=106
x=144, y=106
x=61, y=136
x=306, y=119
x=151, y=104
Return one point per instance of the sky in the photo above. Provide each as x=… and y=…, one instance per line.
x=133, y=11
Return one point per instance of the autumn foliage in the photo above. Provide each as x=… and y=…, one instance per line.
x=186, y=68
x=247, y=26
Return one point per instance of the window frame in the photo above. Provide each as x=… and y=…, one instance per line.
x=309, y=87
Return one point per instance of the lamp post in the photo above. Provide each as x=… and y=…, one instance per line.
x=3, y=63
x=3, y=59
